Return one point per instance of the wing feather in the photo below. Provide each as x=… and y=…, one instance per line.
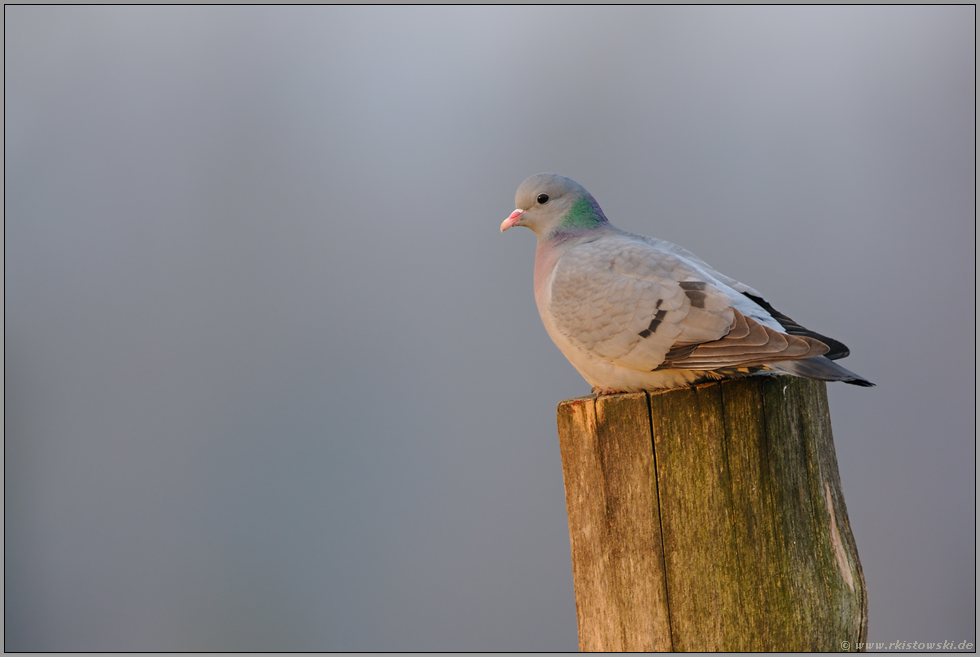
x=762, y=345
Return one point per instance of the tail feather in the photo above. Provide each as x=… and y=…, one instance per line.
x=822, y=369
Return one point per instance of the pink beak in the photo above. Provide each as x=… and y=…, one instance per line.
x=514, y=217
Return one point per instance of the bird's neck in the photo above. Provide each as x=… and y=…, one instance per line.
x=584, y=215
x=583, y=222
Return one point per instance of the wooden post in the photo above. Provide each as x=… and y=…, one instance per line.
x=710, y=518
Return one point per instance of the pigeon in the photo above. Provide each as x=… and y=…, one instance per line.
x=636, y=313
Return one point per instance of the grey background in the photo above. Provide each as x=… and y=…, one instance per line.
x=273, y=379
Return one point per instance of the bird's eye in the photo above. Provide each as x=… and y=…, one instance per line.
x=542, y=198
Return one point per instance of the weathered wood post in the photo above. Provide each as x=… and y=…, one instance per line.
x=710, y=518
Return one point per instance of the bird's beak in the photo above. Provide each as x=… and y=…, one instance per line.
x=512, y=220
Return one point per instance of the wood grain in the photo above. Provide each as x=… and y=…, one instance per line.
x=617, y=558
x=710, y=518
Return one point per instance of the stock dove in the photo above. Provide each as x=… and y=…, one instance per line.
x=636, y=313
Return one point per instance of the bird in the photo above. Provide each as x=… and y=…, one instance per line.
x=634, y=313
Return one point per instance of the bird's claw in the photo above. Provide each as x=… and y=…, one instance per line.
x=605, y=391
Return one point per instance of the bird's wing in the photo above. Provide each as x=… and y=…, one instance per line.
x=837, y=349
x=636, y=306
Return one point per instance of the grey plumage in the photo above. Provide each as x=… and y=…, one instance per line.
x=635, y=313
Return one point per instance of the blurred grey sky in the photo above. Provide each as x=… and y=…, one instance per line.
x=274, y=381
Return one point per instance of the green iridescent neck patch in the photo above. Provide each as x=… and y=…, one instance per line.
x=583, y=215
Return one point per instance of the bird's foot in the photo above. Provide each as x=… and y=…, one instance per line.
x=605, y=391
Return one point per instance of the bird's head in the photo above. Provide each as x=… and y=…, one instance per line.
x=553, y=205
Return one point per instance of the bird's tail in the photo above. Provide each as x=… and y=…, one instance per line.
x=822, y=369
